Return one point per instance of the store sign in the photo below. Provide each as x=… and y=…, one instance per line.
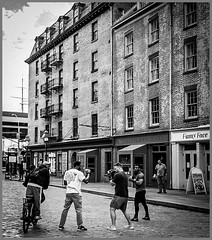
x=190, y=136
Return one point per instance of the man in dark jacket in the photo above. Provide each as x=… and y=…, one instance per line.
x=37, y=181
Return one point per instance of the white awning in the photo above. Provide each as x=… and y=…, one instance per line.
x=86, y=151
x=131, y=148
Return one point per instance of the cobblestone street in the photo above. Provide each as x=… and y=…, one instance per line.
x=164, y=223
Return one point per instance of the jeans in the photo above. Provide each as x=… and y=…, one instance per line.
x=36, y=192
x=161, y=183
x=140, y=198
x=77, y=200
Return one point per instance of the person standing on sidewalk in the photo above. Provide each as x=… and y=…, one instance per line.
x=73, y=179
x=120, y=199
x=160, y=173
x=139, y=182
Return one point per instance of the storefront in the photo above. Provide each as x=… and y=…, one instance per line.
x=190, y=148
x=145, y=150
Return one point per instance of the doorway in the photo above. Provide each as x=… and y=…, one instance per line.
x=190, y=160
x=92, y=166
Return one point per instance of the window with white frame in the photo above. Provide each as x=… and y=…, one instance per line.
x=76, y=43
x=191, y=103
x=154, y=68
x=36, y=89
x=94, y=61
x=75, y=98
x=190, y=14
x=129, y=118
x=154, y=112
x=36, y=135
x=129, y=78
x=61, y=77
x=75, y=70
x=94, y=91
x=128, y=43
x=190, y=54
x=153, y=30
x=94, y=31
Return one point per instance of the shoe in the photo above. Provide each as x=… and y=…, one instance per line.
x=134, y=219
x=37, y=217
x=61, y=228
x=81, y=228
x=164, y=192
x=21, y=218
x=111, y=228
x=159, y=192
x=146, y=218
x=129, y=227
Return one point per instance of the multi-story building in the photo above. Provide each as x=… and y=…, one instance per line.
x=161, y=89
x=70, y=72
x=124, y=82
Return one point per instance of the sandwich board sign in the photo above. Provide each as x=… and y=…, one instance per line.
x=196, y=181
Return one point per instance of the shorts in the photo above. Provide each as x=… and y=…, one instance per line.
x=118, y=202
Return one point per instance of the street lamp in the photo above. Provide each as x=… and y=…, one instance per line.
x=27, y=140
x=45, y=139
x=18, y=137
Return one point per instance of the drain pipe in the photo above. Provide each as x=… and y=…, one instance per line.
x=170, y=91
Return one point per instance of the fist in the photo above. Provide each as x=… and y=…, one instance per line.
x=87, y=171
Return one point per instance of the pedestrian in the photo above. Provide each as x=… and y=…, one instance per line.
x=21, y=171
x=73, y=179
x=160, y=173
x=139, y=181
x=120, y=198
x=37, y=180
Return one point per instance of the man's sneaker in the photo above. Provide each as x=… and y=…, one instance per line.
x=159, y=192
x=37, y=217
x=81, y=228
x=146, y=218
x=111, y=228
x=61, y=228
x=134, y=219
x=129, y=227
x=164, y=192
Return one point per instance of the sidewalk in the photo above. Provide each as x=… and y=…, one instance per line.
x=174, y=198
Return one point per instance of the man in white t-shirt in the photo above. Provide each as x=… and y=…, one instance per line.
x=73, y=179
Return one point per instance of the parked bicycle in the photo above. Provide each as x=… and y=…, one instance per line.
x=28, y=213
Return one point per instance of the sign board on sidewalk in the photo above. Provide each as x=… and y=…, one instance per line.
x=12, y=159
x=196, y=181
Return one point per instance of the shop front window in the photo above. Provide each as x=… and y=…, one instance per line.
x=125, y=161
x=59, y=163
x=108, y=161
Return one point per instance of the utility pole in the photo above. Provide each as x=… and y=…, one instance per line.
x=22, y=97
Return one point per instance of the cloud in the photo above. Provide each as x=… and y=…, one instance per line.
x=44, y=19
x=14, y=5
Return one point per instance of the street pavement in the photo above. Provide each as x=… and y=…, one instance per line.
x=166, y=222
x=174, y=198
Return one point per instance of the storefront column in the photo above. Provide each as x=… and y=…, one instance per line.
x=175, y=165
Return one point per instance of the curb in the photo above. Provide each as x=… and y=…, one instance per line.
x=149, y=201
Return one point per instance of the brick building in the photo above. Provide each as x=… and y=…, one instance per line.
x=123, y=82
x=161, y=89
x=70, y=89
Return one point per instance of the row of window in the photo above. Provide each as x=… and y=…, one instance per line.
x=154, y=67
x=75, y=128
x=154, y=109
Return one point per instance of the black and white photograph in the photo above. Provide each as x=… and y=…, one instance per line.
x=105, y=119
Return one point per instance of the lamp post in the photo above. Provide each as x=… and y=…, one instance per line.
x=27, y=140
x=45, y=139
x=18, y=137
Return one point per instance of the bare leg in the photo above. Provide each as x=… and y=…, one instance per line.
x=127, y=216
x=113, y=216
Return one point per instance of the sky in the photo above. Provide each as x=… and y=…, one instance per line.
x=22, y=21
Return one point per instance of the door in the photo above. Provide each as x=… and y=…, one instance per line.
x=190, y=158
x=207, y=155
x=92, y=166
